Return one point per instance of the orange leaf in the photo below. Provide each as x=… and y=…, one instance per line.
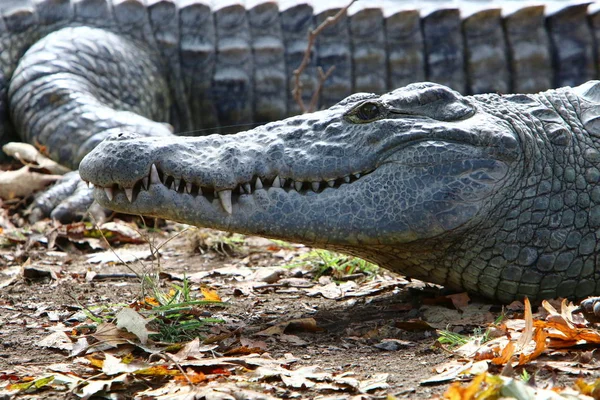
x=219, y=371
x=506, y=354
x=540, y=345
x=152, y=301
x=192, y=376
x=210, y=295
x=457, y=392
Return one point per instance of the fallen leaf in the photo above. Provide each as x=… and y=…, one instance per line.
x=104, y=385
x=131, y=320
x=243, y=350
x=452, y=370
x=540, y=345
x=37, y=383
x=193, y=350
x=210, y=295
x=393, y=344
x=108, y=333
x=158, y=370
x=10, y=275
x=527, y=333
x=119, y=256
x=190, y=376
x=459, y=300
x=506, y=355
x=113, y=366
x=23, y=182
x=27, y=154
x=378, y=381
x=302, y=324
x=57, y=340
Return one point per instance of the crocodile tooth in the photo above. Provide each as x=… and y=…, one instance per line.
x=225, y=197
x=177, y=182
x=258, y=184
x=298, y=186
x=315, y=186
x=145, y=182
x=109, y=193
x=247, y=188
x=91, y=185
x=331, y=183
x=276, y=182
x=188, y=188
x=242, y=191
x=129, y=194
x=154, y=178
x=357, y=175
x=87, y=184
x=347, y=179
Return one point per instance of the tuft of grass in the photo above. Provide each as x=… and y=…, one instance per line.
x=324, y=262
x=178, y=310
x=525, y=376
x=452, y=339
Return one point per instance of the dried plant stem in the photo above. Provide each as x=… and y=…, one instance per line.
x=312, y=37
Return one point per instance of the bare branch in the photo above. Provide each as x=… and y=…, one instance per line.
x=312, y=36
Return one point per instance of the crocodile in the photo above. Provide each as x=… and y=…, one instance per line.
x=498, y=195
x=74, y=71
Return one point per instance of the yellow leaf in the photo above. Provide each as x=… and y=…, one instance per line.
x=96, y=362
x=159, y=370
x=210, y=295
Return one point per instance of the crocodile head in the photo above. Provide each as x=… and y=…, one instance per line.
x=395, y=178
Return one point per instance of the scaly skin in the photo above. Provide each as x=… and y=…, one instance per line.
x=74, y=72
x=497, y=195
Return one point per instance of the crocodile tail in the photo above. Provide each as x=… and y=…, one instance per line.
x=22, y=23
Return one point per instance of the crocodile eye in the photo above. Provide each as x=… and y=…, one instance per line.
x=366, y=112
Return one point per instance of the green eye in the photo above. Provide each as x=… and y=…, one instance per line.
x=366, y=112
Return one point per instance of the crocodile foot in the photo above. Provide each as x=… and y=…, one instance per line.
x=68, y=200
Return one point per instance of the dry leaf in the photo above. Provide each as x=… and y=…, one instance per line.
x=23, y=182
x=302, y=324
x=210, y=295
x=459, y=300
x=131, y=320
x=108, y=333
x=57, y=340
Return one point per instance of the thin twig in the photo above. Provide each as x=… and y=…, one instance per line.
x=312, y=36
x=322, y=78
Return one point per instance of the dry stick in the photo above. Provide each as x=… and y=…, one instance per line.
x=312, y=36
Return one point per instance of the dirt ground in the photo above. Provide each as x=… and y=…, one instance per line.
x=381, y=325
x=30, y=306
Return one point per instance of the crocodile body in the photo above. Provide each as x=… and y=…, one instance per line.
x=74, y=71
x=495, y=194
